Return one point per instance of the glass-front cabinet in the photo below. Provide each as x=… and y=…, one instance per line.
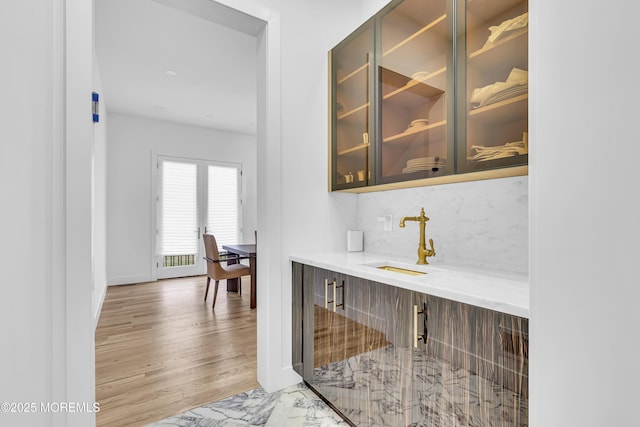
x=427, y=92
x=414, y=86
x=494, y=103
x=351, y=63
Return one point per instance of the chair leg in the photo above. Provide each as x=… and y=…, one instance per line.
x=206, y=292
x=239, y=285
x=215, y=294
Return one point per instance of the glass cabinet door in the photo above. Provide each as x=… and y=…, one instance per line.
x=351, y=68
x=493, y=104
x=415, y=50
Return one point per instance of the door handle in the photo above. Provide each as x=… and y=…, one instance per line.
x=335, y=296
x=417, y=337
x=326, y=293
x=334, y=301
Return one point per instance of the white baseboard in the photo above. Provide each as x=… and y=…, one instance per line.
x=128, y=280
x=288, y=377
x=96, y=314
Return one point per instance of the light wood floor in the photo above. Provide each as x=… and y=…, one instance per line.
x=161, y=350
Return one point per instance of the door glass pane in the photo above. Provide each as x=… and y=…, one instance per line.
x=496, y=85
x=351, y=130
x=179, y=213
x=415, y=49
x=223, y=204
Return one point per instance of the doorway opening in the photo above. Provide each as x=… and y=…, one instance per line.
x=268, y=140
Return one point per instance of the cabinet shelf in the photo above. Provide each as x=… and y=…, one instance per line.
x=353, y=111
x=353, y=150
x=415, y=87
x=512, y=46
x=432, y=24
x=498, y=110
x=405, y=136
x=354, y=73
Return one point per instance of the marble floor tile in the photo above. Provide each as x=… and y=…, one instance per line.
x=295, y=406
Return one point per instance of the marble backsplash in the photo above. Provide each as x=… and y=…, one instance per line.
x=483, y=224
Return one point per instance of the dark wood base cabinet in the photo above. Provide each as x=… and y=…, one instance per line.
x=386, y=356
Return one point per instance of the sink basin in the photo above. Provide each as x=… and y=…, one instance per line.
x=400, y=270
x=398, y=267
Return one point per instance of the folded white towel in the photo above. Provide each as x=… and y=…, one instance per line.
x=517, y=77
x=509, y=149
x=498, y=31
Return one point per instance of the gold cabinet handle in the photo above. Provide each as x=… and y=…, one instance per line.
x=326, y=293
x=417, y=337
x=415, y=326
x=335, y=296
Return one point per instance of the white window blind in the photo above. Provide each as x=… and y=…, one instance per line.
x=179, y=209
x=223, y=209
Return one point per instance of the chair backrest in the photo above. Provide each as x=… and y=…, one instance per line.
x=214, y=269
x=211, y=247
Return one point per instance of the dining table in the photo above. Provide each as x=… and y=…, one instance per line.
x=246, y=251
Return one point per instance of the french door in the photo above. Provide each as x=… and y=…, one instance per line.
x=194, y=197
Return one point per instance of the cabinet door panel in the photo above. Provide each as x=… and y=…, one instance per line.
x=493, y=95
x=351, y=70
x=339, y=338
x=364, y=363
x=297, y=317
x=472, y=369
x=415, y=53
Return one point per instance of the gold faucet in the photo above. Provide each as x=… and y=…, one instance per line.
x=423, y=252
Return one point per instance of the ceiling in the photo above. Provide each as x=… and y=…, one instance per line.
x=173, y=60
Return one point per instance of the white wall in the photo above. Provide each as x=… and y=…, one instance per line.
x=483, y=224
x=45, y=171
x=28, y=225
x=99, y=198
x=312, y=218
x=131, y=143
x=79, y=217
x=585, y=212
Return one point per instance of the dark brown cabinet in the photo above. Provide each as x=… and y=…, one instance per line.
x=383, y=355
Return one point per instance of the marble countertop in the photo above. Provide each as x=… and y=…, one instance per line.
x=499, y=291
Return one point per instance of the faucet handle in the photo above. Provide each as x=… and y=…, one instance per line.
x=432, y=251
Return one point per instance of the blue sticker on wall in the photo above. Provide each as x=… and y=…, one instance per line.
x=95, y=98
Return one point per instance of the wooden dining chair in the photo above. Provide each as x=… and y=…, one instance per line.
x=216, y=268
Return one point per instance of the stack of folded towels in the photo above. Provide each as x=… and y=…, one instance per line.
x=517, y=84
x=507, y=150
